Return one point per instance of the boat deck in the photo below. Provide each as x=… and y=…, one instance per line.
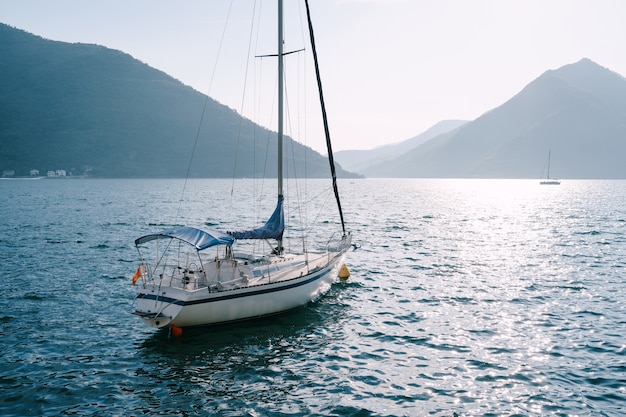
x=243, y=271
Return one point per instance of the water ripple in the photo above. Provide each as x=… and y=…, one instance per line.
x=466, y=298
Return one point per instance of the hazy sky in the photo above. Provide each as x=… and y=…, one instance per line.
x=391, y=68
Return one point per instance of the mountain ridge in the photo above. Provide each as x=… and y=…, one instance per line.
x=356, y=160
x=578, y=111
x=92, y=110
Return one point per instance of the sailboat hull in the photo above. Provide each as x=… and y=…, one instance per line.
x=161, y=306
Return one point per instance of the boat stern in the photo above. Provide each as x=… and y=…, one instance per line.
x=157, y=321
x=156, y=308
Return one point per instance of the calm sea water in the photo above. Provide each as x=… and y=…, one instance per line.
x=467, y=297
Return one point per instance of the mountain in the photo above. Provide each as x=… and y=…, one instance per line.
x=360, y=160
x=89, y=109
x=578, y=111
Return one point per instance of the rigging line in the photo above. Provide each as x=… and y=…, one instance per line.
x=331, y=159
x=204, y=107
x=263, y=170
x=284, y=54
x=259, y=198
x=302, y=108
x=258, y=71
x=292, y=146
x=243, y=98
x=316, y=197
x=304, y=214
x=322, y=207
x=269, y=135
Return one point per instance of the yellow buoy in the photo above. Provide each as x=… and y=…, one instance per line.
x=343, y=272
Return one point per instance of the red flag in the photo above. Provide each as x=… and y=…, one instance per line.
x=137, y=274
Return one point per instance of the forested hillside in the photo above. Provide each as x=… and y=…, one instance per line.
x=91, y=110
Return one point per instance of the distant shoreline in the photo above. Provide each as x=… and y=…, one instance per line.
x=22, y=178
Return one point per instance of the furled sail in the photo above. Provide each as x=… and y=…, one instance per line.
x=272, y=229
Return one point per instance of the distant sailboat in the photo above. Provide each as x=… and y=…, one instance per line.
x=548, y=180
x=184, y=284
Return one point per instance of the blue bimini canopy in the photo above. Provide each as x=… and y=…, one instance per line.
x=272, y=229
x=196, y=237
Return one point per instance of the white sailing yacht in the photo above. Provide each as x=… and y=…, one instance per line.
x=197, y=277
x=548, y=180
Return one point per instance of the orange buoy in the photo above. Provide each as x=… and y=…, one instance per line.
x=176, y=331
x=343, y=272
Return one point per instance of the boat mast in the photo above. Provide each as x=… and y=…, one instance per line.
x=280, y=109
x=329, y=147
x=549, y=152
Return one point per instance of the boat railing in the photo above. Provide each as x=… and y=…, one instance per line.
x=185, y=278
x=338, y=244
